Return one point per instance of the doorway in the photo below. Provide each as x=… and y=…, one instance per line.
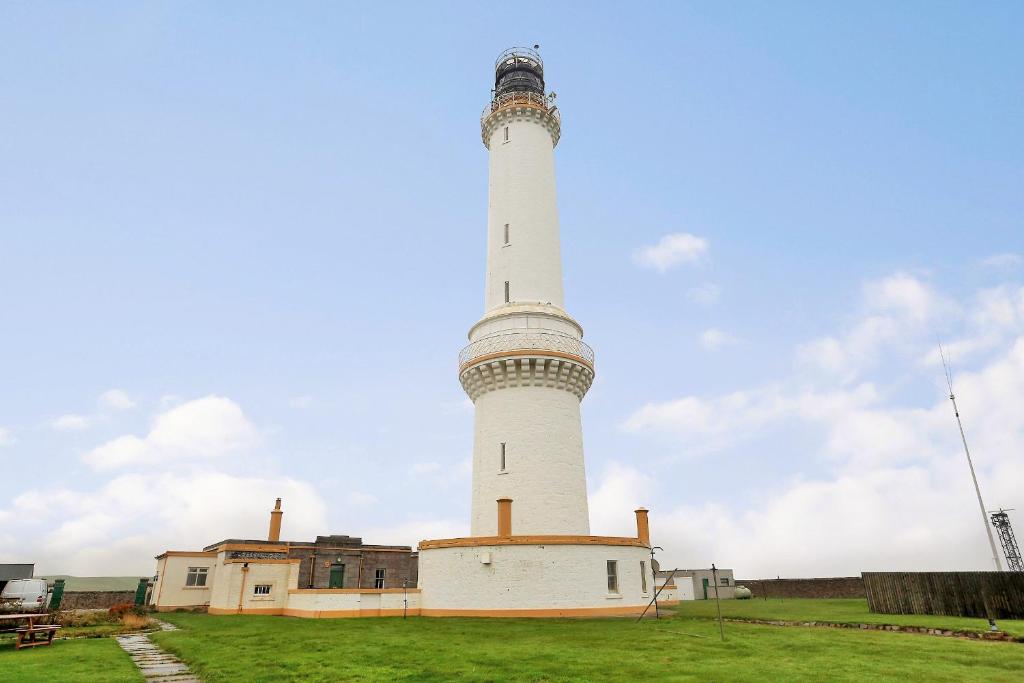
x=337, y=579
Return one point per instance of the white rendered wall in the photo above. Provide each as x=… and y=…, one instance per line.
x=544, y=474
x=521, y=193
x=536, y=577
x=170, y=590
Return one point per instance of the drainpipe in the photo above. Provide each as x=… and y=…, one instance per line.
x=241, y=593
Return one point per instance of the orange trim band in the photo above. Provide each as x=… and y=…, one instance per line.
x=349, y=613
x=275, y=611
x=632, y=610
x=184, y=553
x=349, y=591
x=476, y=541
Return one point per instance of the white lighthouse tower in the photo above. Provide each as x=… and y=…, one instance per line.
x=526, y=369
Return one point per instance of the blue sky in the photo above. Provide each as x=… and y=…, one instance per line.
x=243, y=244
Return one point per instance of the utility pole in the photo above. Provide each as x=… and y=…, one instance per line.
x=718, y=604
x=970, y=464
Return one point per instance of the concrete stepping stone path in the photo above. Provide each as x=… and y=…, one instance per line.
x=154, y=663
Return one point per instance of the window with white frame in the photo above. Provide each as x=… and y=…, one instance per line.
x=613, y=576
x=261, y=589
x=378, y=578
x=643, y=576
x=196, y=577
x=725, y=581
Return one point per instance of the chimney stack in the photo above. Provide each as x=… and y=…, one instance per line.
x=504, y=517
x=643, y=529
x=275, y=522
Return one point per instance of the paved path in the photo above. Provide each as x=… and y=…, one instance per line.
x=155, y=664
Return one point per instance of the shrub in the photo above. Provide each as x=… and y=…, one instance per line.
x=121, y=609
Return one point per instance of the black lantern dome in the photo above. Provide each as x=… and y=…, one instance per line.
x=519, y=69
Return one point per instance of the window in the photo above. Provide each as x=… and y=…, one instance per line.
x=261, y=589
x=196, y=576
x=502, y=469
x=506, y=234
x=378, y=578
x=613, y=576
x=725, y=581
x=506, y=133
x=643, y=576
x=506, y=291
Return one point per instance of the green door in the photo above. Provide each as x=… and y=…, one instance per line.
x=337, y=576
x=704, y=583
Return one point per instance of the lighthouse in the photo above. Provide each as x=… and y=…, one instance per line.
x=526, y=370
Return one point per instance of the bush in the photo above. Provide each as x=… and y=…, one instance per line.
x=121, y=609
x=82, y=618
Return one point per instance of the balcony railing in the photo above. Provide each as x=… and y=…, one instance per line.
x=526, y=341
x=545, y=102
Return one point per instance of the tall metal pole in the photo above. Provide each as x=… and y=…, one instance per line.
x=970, y=464
x=714, y=577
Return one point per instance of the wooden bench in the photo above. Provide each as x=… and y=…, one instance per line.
x=27, y=635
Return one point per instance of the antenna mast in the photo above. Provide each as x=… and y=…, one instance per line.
x=1001, y=521
x=970, y=463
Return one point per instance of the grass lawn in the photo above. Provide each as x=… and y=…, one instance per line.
x=91, y=659
x=681, y=647
x=840, y=611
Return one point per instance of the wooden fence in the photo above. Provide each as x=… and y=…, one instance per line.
x=993, y=595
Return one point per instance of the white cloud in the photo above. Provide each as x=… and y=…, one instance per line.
x=120, y=526
x=891, y=490
x=714, y=339
x=203, y=428
x=116, y=399
x=1007, y=260
x=672, y=250
x=706, y=294
x=6, y=439
x=71, y=423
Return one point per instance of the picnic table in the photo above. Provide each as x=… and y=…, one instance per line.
x=27, y=634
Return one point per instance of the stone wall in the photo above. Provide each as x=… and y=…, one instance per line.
x=96, y=599
x=833, y=587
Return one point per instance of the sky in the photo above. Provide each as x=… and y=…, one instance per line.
x=241, y=245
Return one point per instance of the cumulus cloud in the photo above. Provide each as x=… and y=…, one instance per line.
x=116, y=400
x=714, y=339
x=121, y=525
x=705, y=294
x=200, y=429
x=71, y=423
x=891, y=488
x=672, y=250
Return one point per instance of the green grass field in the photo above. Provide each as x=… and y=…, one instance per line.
x=90, y=659
x=684, y=646
x=839, y=611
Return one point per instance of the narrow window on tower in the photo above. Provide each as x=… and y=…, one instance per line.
x=506, y=133
x=506, y=291
x=501, y=461
x=506, y=234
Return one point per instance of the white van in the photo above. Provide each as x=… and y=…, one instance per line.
x=25, y=595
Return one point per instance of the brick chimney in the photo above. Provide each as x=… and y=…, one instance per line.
x=275, y=522
x=504, y=517
x=643, y=529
